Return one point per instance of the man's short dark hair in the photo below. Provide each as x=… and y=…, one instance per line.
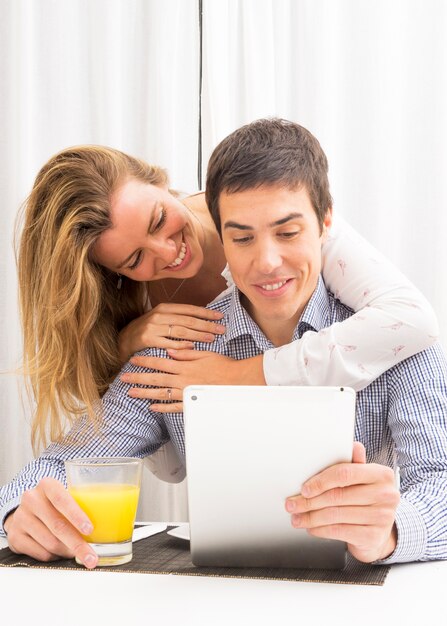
x=269, y=152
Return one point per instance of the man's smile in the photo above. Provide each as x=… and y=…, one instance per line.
x=273, y=288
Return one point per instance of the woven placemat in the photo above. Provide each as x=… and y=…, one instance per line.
x=164, y=554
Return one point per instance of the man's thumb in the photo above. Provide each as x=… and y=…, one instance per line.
x=358, y=453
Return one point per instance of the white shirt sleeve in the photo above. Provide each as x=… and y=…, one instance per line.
x=393, y=320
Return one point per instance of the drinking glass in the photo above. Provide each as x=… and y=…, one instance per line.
x=107, y=490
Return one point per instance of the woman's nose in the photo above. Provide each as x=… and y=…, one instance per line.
x=163, y=248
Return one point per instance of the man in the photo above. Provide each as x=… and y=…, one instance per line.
x=268, y=192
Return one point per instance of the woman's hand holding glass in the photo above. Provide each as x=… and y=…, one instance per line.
x=170, y=325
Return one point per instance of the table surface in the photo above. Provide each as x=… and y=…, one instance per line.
x=413, y=593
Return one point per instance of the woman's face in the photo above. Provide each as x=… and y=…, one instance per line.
x=153, y=236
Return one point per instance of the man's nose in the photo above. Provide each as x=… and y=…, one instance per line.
x=267, y=258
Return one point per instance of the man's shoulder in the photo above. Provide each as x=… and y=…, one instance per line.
x=222, y=303
x=337, y=310
x=416, y=378
x=427, y=366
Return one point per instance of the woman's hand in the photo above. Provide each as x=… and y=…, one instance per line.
x=189, y=367
x=166, y=323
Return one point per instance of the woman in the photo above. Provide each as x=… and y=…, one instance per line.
x=106, y=249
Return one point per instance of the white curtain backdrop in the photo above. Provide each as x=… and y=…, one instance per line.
x=122, y=73
x=367, y=77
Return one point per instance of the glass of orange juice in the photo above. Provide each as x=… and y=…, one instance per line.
x=107, y=490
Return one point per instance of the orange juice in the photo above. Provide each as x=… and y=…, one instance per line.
x=111, y=509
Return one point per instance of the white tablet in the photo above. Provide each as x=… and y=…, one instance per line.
x=247, y=449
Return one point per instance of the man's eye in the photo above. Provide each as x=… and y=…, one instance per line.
x=289, y=235
x=137, y=261
x=241, y=239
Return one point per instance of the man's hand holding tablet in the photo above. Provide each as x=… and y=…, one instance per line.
x=352, y=502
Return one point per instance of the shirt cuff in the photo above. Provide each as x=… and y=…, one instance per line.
x=6, y=510
x=282, y=368
x=411, y=535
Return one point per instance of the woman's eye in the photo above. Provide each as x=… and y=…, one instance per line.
x=161, y=220
x=137, y=261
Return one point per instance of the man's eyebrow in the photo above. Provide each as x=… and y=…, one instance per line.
x=231, y=224
x=284, y=220
x=151, y=216
x=279, y=222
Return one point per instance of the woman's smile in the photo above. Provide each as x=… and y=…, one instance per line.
x=183, y=258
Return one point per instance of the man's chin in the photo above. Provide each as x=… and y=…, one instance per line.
x=277, y=318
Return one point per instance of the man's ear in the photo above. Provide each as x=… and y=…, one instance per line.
x=327, y=223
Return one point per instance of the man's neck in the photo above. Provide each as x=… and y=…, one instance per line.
x=278, y=333
x=279, y=337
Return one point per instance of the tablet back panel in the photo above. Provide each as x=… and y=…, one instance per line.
x=247, y=449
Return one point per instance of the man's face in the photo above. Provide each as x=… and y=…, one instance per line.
x=272, y=243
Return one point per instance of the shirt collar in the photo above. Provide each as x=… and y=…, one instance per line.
x=315, y=317
x=240, y=323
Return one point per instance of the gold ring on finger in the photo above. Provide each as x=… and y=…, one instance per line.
x=170, y=331
x=169, y=393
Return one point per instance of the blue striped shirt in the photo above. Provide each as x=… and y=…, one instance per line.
x=401, y=418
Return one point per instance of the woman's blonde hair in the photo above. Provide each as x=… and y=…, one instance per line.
x=71, y=309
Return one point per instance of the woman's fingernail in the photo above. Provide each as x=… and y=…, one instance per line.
x=290, y=506
x=125, y=377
